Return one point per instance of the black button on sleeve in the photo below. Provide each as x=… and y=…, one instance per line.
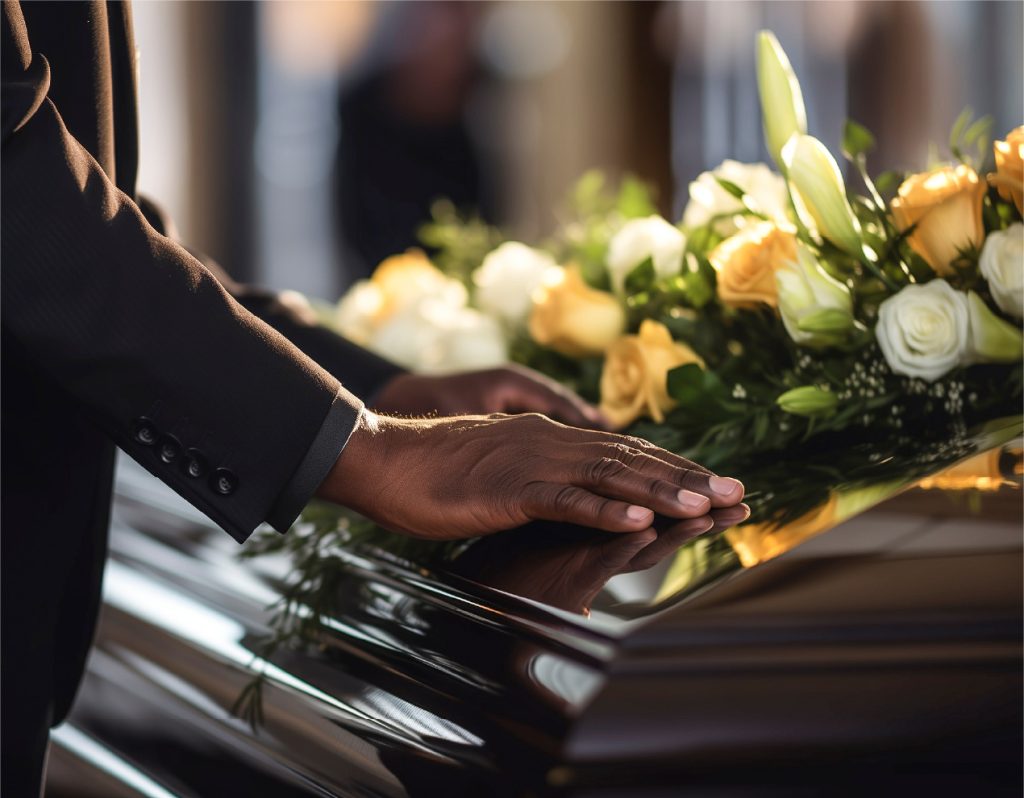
x=145, y=432
x=168, y=448
x=224, y=482
x=194, y=464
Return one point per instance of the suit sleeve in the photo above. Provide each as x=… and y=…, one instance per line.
x=206, y=396
x=362, y=372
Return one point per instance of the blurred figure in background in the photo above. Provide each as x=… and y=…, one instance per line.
x=405, y=139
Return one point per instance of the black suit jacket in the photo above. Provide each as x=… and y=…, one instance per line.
x=113, y=334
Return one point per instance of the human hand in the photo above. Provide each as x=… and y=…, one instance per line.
x=463, y=476
x=509, y=389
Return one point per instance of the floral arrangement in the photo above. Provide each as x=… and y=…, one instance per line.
x=804, y=334
x=784, y=311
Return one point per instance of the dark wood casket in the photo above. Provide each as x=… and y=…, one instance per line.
x=881, y=656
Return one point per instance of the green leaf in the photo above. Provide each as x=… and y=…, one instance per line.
x=635, y=199
x=641, y=277
x=698, y=289
x=857, y=140
x=828, y=320
x=977, y=129
x=731, y=187
x=588, y=189
x=686, y=384
x=958, y=127
x=888, y=181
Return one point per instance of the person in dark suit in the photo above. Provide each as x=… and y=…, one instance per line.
x=114, y=335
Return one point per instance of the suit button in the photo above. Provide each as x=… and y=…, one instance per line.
x=145, y=431
x=194, y=464
x=168, y=449
x=224, y=481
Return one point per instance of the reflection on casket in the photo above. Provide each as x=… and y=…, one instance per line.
x=885, y=653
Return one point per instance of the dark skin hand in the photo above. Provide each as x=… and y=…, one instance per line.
x=465, y=476
x=510, y=389
x=567, y=570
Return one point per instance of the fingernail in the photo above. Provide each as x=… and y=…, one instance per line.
x=637, y=513
x=725, y=486
x=693, y=501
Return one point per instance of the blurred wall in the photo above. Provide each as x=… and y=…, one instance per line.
x=239, y=101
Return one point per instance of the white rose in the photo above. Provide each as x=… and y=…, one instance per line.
x=923, y=330
x=765, y=189
x=472, y=341
x=507, y=279
x=639, y=239
x=434, y=336
x=413, y=337
x=1002, y=265
x=358, y=312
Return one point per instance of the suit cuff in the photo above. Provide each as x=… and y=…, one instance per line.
x=334, y=433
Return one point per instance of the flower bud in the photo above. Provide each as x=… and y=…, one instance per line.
x=816, y=309
x=808, y=400
x=814, y=175
x=782, y=104
x=992, y=339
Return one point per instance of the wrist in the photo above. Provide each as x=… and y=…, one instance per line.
x=358, y=462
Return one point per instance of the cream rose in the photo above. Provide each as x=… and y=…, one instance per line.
x=395, y=312
x=634, y=381
x=923, y=330
x=432, y=336
x=639, y=239
x=944, y=206
x=472, y=341
x=1002, y=266
x=765, y=189
x=1009, y=176
x=746, y=264
x=359, y=311
x=505, y=281
x=572, y=318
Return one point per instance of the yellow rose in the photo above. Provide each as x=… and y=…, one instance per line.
x=1009, y=176
x=945, y=206
x=634, y=381
x=403, y=280
x=747, y=261
x=572, y=318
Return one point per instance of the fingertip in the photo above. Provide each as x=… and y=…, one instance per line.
x=693, y=503
x=726, y=488
x=635, y=513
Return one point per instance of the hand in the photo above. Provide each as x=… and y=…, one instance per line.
x=511, y=389
x=464, y=476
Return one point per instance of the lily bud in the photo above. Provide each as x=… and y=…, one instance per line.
x=816, y=309
x=808, y=400
x=814, y=175
x=992, y=339
x=782, y=104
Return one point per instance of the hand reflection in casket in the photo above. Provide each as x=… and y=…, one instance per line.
x=567, y=566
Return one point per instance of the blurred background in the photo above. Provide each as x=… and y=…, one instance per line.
x=300, y=142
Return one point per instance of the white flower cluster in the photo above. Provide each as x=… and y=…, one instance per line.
x=416, y=316
x=639, y=239
x=711, y=204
